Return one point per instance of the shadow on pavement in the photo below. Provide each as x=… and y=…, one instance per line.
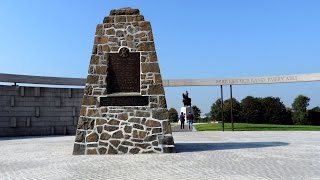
x=194, y=147
x=31, y=137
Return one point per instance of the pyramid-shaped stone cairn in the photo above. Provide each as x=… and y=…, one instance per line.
x=124, y=107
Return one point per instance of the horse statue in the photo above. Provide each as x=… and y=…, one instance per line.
x=186, y=100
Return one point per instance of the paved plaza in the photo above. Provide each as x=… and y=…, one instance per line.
x=201, y=155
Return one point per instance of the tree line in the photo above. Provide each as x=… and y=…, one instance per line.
x=256, y=110
x=268, y=110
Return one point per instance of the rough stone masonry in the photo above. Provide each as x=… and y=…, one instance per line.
x=116, y=117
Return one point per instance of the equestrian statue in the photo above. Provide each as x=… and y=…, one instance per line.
x=186, y=100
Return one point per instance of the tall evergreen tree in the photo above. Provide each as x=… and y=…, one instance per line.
x=196, y=113
x=216, y=110
x=173, y=115
x=252, y=110
x=274, y=111
x=236, y=110
x=299, y=107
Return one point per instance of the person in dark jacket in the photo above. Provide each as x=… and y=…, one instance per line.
x=190, y=118
x=182, y=119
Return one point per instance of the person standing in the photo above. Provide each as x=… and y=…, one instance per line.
x=190, y=118
x=182, y=119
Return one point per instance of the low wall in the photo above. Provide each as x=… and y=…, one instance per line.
x=26, y=111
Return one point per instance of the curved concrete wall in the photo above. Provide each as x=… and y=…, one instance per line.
x=26, y=111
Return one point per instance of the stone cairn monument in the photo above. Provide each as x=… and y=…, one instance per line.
x=124, y=109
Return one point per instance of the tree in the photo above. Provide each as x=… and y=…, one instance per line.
x=315, y=109
x=252, y=110
x=299, y=107
x=236, y=110
x=314, y=116
x=173, y=115
x=274, y=111
x=216, y=110
x=196, y=112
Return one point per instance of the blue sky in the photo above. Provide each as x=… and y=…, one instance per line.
x=194, y=39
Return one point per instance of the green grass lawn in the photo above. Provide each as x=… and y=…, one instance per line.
x=254, y=127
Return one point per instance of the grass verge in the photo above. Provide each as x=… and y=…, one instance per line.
x=254, y=127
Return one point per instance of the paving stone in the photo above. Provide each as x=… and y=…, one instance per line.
x=200, y=155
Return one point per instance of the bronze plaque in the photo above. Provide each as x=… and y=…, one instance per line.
x=124, y=72
x=124, y=101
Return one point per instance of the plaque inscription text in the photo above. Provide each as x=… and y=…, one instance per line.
x=124, y=101
x=124, y=72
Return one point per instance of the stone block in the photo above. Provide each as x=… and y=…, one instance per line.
x=99, y=30
x=113, y=122
x=93, y=137
x=102, y=150
x=101, y=70
x=13, y=122
x=112, y=150
x=108, y=19
x=52, y=130
x=92, y=79
x=142, y=114
x=150, y=36
x=94, y=60
x=156, y=130
x=135, y=120
x=79, y=149
x=110, y=31
x=12, y=101
x=138, y=18
x=37, y=91
x=169, y=149
x=150, y=67
x=37, y=111
x=92, y=152
x=115, y=143
x=123, y=116
x=85, y=123
x=119, y=33
x=100, y=40
x=146, y=46
x=145, y=26
x=93, y=112
x=100, y=121
x=124, y=11
x=118, y=135
x=150, y=138
x=134, y=150
x=22, y=91
x=166, y=127
x=123, y=149
x=142, y=134
x=155, y=90
x=111, y=128
x=127, y=143
x=166, y=140
x=28, y=121
x=153, y=123
x=120, y=19
x=138, y=126
x=128, y=129
x=105, y=136
x=69, y=92
x=161, y=114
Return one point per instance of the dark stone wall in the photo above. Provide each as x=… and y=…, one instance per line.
x=35, y=111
